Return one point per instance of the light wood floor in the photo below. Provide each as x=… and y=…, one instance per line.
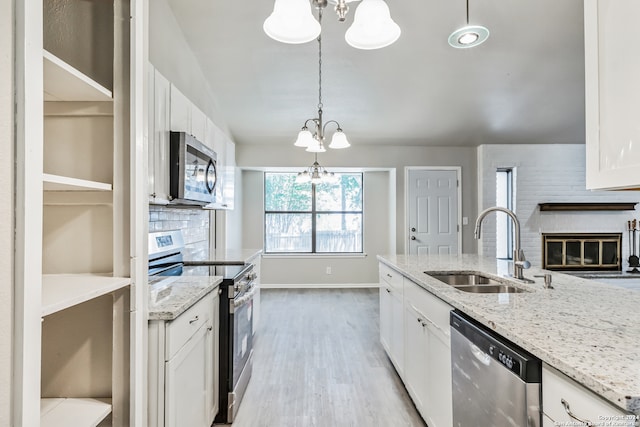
x=318, y=362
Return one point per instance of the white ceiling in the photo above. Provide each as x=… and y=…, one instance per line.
x=525, y=84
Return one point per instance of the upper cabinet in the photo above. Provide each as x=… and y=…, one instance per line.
x=170, y=110
x=612, y=94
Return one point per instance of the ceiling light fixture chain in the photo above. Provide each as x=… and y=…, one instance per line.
x=320, y=63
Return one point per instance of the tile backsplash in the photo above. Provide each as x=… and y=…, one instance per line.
x=194, y=224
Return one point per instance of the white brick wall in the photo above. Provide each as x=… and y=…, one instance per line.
x=194, y=224
x=547, y=173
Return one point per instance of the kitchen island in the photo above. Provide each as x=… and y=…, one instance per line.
x=587, y=330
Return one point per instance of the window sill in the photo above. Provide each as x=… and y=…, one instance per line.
x=312, y=256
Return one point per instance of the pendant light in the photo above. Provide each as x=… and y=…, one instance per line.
x=469, y=35
x=293, y=22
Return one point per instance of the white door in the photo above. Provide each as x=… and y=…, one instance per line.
x=432, y=211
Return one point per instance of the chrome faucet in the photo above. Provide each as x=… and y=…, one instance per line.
x=519, y=260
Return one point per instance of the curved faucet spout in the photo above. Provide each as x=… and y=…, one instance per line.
x=519, y=261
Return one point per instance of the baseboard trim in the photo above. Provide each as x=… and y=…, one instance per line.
x=318, y=285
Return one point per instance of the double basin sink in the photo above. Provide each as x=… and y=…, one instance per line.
x=475, y=283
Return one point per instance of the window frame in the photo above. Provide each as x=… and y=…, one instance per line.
x=314, y=216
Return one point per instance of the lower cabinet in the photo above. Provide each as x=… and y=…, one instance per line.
x=183, y=367
x=565, y=402
x=392, y=324
x=414, y=331
x=427, y=368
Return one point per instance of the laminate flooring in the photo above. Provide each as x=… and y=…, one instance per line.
x=318, y=361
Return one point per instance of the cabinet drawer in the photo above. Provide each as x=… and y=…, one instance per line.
x=583, y=403
x=391, y=277
x=427, y=304
x=181, y=329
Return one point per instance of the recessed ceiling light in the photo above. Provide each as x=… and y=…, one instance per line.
x=469, y=36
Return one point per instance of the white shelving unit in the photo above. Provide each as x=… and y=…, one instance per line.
x=81, y=300
x=61, y=291
x=62, y=82
x=60, y=412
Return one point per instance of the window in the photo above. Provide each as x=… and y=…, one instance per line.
x=312, y=218
x=504, y=225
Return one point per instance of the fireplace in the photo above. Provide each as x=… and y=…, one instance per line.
x=582, y=251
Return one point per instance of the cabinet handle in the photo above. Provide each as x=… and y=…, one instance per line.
x=587, y=423
x=210, y=328
x=387, y=289
x=195, y=319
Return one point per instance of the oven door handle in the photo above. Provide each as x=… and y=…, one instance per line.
x=237, y=302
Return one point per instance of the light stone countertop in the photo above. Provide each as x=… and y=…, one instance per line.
x=171, y=296
x=588, y=330
x=229, y=257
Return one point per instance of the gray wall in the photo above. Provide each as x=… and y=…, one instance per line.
x=171, y=55
x=311, y=270
x=6, y=207
x=382, y=157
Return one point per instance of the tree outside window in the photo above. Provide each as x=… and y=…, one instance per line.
x=313, y=218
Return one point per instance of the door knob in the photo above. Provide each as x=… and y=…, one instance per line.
x=413, y=237
x=413, y=229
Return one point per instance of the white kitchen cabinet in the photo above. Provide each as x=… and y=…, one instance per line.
x=183, y=366
x=159, y=124
x=392, y=316
x=612, y=94
x=428, y=354
x=583, y=404
x=256, y=298
x=185, y=116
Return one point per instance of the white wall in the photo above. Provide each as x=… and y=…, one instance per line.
x=547, y=173
x=6, y=207
x=311, y=270
x=360, y=155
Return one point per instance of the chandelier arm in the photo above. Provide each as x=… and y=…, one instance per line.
x=331, y=121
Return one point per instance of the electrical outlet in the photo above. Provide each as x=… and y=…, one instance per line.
x=328, y=270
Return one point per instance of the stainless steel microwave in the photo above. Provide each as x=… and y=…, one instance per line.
x=193, y=171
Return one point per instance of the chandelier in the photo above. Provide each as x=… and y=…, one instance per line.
x=316, y=174
x=293, y=22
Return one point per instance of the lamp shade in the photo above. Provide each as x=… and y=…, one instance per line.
x=292, y=22
x=316, y=147
x=339, y=140
x=304, y=139
x=372, y=26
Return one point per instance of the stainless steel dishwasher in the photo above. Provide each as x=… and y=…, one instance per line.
x=495, y=383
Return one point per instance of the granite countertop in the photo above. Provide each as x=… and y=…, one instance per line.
x=588, y=330
x=229, y=257
x=169, y=297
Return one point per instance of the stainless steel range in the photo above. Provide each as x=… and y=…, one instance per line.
x=236, y=314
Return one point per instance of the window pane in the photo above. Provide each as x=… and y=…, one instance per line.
x=345, y=195
x=339, y=233
x=282, y=193
x=288, y=233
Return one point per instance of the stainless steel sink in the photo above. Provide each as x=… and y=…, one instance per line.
x=475, y=283
x=464, y=279
x=490, y=289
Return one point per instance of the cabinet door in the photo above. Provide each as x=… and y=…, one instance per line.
x=229, y=177
x=438, y=399
x=397, y=331
x=180, y=112
x=612, y=94
x=214, y=375
x=151, y=155
x=187, y=387
x=160, y=139
x=198, y=123
x=416, y=352
x=385, y=317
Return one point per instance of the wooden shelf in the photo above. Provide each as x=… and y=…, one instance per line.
x=60, y=291
x=65, y=183
x=605, y=206
x=64, y=412
x=62, y=82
